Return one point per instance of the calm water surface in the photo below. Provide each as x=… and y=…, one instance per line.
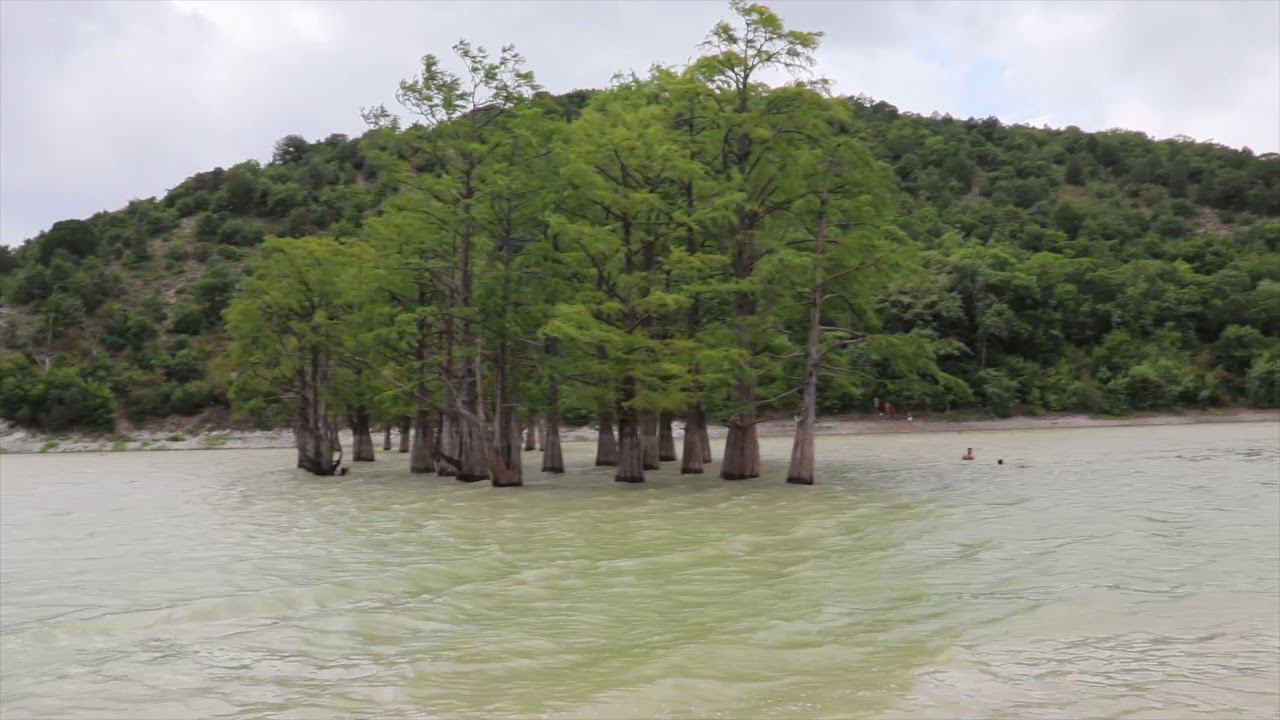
x=1123, y=572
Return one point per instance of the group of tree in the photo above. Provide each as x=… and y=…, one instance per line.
x=692, y=244
x=692, y=240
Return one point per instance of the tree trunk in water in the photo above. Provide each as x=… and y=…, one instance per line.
x=694, y=431
x=361, y=439
x=448, y=445
x=314, y=431
x=473, y=463
x=650, y=456
x=422, y=459
x=531, y=434
x=666, y=440
x=606, y=445
x=741, y=447
x=800, y=471
x=405, y=429
x=706, y=437
x=630, y=449
x=386, y=438
x=506, y=472
x=552, y=457
x=316, y=448
x=509, y=471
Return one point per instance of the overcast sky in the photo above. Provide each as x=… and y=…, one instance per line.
x=103, y=102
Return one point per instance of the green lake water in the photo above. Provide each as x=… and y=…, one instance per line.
x=1118, y=572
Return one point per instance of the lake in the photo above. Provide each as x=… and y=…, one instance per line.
x=1099, y=572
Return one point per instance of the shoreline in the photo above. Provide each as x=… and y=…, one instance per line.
x=863, y=425
x=19, y=441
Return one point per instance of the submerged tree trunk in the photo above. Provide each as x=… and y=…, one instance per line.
x=741, y=447
x=505, y=467
x=800, y=471
x=386, y=437
x=361, y=438
x=406, y=426
x=422, y=459
x=509, y=470
x=666, y=440
x=606, y=445
x=473, y=463
x=314, y=432
x=706, y=437
x=552, y=457
x=694, y=431
x=447, y=445
x=317, y=447
x=649, y=441
x=630, y=449
x=531, y=434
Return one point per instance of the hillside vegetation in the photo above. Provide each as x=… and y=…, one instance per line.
x=1035, y=270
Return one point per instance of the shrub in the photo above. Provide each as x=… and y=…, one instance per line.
x=208, y=224
x=189, y=398
x=241, y=232
x=148, y=399
x=1262, y=384
x=998, y=391
x=177, y=253
x=1161, y=383
x=212, y=292
x=188, y=320
x=75, y=237
x=56, y=400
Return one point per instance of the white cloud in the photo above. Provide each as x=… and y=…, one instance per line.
x=102, y=102
x=248, y=23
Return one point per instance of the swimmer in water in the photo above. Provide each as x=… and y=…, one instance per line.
x=968, y=454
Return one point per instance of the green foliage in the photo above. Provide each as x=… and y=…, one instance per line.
x=8, y=260
x=1074, y=173
x=290, y=149
x=76, y=238
x=291, y=309
x=212, y=291
x=1263, y=381
x=190, y=398
x=239, y=191
x=240, y=231
x=1007, y=267
x=56, y=400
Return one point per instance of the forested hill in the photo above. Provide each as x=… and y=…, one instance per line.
x=1060, y=270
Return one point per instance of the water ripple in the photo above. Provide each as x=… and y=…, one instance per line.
x=1097, y=573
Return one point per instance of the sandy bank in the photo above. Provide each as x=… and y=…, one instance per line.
x=14, y=439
